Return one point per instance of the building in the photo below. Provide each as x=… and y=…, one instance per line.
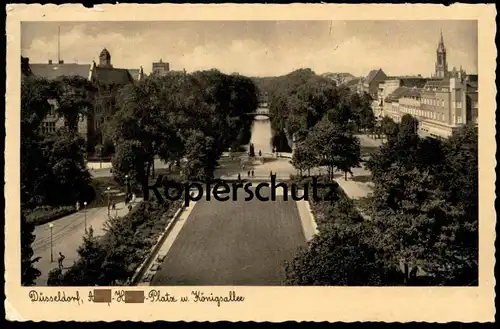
x=51, y=71
x=370, y=84
x=441, y=106
x=137, y=74
x=389, y=85
x=104, y=76
x=160, y=68
x=108, y=81
x=441, y=66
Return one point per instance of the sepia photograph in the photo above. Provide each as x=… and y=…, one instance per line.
x=121, y=109
x=248, y=153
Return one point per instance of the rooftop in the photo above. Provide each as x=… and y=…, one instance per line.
x=53, y=71
x=113, y=75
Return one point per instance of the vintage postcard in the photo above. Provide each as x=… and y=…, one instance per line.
x=250, y=163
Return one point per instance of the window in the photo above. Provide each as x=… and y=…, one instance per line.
x=459, y=105
x=442, y=103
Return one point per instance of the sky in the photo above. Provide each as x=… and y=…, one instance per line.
x=258, y=48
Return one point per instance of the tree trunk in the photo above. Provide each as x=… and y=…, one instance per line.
x=406, y=273
x=145, y=189
x=309, y=172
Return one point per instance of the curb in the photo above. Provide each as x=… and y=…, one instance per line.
x=141, y=270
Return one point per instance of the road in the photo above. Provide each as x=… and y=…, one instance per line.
x=67, y=236
x=233, y=243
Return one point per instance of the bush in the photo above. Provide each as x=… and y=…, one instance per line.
x=44, y=214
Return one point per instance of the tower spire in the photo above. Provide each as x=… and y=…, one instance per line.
x=442, y=42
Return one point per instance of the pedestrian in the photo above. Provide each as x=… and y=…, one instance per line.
x=271, y=174
x=133, y=197
x=113, y=205
x=248, y=173
x=260, y=153
x=239, y=176
x=253, y=173
x=77, y=206
x=60, y=260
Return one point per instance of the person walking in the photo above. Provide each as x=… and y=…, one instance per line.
x=60, y=260
x=239, y=176
x=248, y=173
x=253, y=173
x=113, y=205
x=77, y=206
x=260, y=153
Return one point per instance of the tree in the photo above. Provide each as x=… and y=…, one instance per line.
x=131, y=159
x=36, y=176
x=87, y=270
x=336, y=257
x=65, y=151
x=337, y=148
x=304, y=158
x=388, y=127
x=28, y=272
x=75, y=99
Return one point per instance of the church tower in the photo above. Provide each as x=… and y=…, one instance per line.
x=441, y=64
x=105, y=59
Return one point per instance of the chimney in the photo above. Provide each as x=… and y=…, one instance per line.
x=61, y=61
x=50, y=61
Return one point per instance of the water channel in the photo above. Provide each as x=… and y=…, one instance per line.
x=261, y=134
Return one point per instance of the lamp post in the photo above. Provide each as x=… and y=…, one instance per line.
x=108, y=189
x=85, y=211
x=51, y=246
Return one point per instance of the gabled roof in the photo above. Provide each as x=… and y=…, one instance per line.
x=396, y=94
x=372, y=74
x=134, y=73
x=412, y=92
x=53, y=71
x=112, y=75
x=352, y=82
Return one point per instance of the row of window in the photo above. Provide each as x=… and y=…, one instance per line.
x=433, y=101
x=48, y=127
x=422, y=113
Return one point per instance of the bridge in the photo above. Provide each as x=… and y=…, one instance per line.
x=260, y=111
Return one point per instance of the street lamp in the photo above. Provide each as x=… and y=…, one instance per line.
x=108, y=189
x=85, y=211
x=51, y=246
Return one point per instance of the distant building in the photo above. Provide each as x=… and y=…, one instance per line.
x=388, y=86
x=441, y=106
x=370, y=84
x=160, y=68
x=441, y=65
x=137, y=74
x=51, y=71
x=108, y=81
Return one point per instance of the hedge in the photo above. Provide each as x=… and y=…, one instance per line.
x=44, y=214
x=113, y=258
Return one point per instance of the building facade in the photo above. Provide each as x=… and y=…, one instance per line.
x=51, y=71
x=371, y=83
x=441, y=106
x=160, y=68
x=108, y=81
x=389, y=85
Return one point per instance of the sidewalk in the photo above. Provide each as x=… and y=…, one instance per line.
x=67, y=236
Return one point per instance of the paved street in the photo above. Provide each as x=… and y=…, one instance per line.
x=233, y=243
x=67, y=236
